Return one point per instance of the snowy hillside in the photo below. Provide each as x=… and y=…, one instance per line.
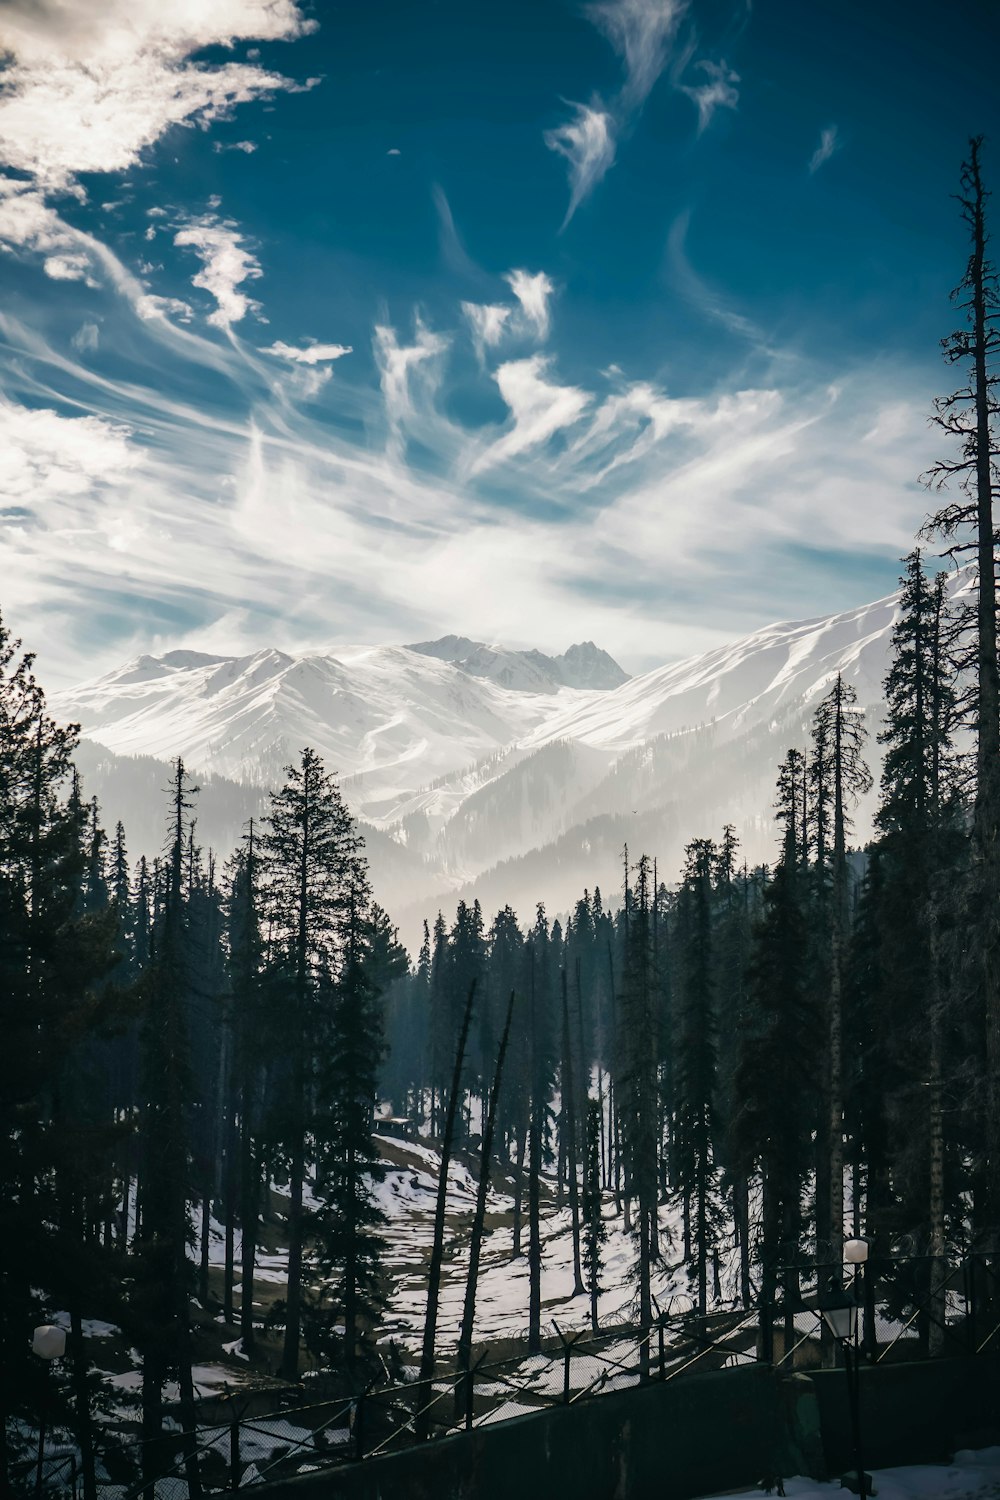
x=480, y=771
x=392, y=717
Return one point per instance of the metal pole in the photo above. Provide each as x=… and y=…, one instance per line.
x=42, y=1410
x=359, y=1427
x=854, y=1394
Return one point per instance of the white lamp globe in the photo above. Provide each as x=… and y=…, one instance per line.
x=49, y=1342
x=855, y=1252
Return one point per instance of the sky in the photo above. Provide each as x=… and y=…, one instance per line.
x=534, y=322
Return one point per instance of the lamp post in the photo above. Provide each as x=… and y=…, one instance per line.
x=48, y=1343
x=840, y=1314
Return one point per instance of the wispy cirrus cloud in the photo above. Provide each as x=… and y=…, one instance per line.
x=529, y=316
x=408, y=376
x=587, y=141
x=534, y=293
x=613, y=484
x=488, y=322
x=718, y=91
x=829, y=142
x=539, y=408
x=645, y=35
x=641, y=32
x=712, y=303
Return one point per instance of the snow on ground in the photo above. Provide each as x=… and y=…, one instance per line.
x=972, y=1475
x=93, y=1328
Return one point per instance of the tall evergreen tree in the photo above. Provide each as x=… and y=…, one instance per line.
x=311, y=864
x=968, y=526
x=348, y=1220
x=696, y=1053
x=595, y=1232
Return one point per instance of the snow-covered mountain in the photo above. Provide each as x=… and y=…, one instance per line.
x=510, y=775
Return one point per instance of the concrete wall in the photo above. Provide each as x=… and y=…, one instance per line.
x=684, y=1437
x=693, y=1436
x=910, y=1413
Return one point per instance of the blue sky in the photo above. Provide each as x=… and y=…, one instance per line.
x=533, y=322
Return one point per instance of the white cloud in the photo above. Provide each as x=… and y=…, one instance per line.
x=492, y=322
x=828, y=144
x=640, y=32
x=87, y=337
x=248, y=147
x=27, y=221
x=719, y=91
x=91, y=85
x=151, y=306
x=226, y=264
x=45, y=456
x=75, y=267
x=312, y=354
x=399, y=367
x=487, y=321
x=394, y=151
x=732, y=495
x=587, y=141
x=539, y=409
x=533, y=293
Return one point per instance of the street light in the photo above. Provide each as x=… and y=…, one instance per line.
x=840, y=1314
x=48, y=1343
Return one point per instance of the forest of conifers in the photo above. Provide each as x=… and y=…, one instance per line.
x=783, y=1054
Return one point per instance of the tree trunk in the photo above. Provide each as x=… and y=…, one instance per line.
x=422, y=1419
x=935, y=1214
x=522, y=1141
x=293, y=1295
x=249, y=1199
x=478, y=1223
x=534, y=1231
x=569, y=1110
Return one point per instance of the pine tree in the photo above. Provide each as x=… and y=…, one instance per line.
x=595, y=1232
x=248, y=1022
x=350, y=1248
x=838, y=738
x=968, y=526
x=160, y=1304
x=312, y=863
x=774, y=1105
x=696, y=1052
x=51, y=956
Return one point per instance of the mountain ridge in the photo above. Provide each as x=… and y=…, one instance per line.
x=462, y=775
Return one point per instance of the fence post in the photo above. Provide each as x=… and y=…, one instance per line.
x=359, y=1426
x=470, y=1391
x=970, y=1301
x=567, y=1355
